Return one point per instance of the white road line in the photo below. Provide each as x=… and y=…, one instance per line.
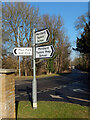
x=78, y=99
x=39, y=92
x=48, y=89
x=17, y=96
x=80, y=90
x=55, y=87
x=55, y=96
x=23, y=93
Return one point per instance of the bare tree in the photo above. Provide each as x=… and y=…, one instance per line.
x=15, y=15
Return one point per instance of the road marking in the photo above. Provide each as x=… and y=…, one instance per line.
x=48, y=89
x=17, y=95
x=78, y=99
x=84, y=72
x=24, y=93
x=55, y=96
x=80, y=90
x=55, y=87
x=39, y=92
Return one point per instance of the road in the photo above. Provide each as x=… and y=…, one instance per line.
x=72, y=88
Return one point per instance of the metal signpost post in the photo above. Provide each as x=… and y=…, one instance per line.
x=39, y=37
x=34, y=83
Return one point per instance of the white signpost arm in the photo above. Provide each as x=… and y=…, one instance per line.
x=34, y=83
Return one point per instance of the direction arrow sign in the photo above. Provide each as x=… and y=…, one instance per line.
x=44, y=51
x=42, y=36
x=22, y=51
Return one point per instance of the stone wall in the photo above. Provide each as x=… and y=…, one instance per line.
x=7, y=94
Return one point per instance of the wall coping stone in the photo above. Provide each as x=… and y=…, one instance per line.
x=7, y=71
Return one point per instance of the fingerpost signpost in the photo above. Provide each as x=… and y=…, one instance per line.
x=42, y=36
x=44, y=51
x=22, y=51
x=40, y=52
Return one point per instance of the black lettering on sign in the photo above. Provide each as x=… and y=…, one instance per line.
x=40, y=37
x=40, y=33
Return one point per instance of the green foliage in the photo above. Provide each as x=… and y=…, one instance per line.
x=83, y=43
x=50, y=65
x=82, y=62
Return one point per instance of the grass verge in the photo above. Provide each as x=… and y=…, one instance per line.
x=49, y=109
x=31, y=77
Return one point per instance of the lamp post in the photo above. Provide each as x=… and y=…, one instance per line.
x=19, y=56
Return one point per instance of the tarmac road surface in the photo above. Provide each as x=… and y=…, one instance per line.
x=72, y=88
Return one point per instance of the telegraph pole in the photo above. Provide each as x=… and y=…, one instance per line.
x=34, y=83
